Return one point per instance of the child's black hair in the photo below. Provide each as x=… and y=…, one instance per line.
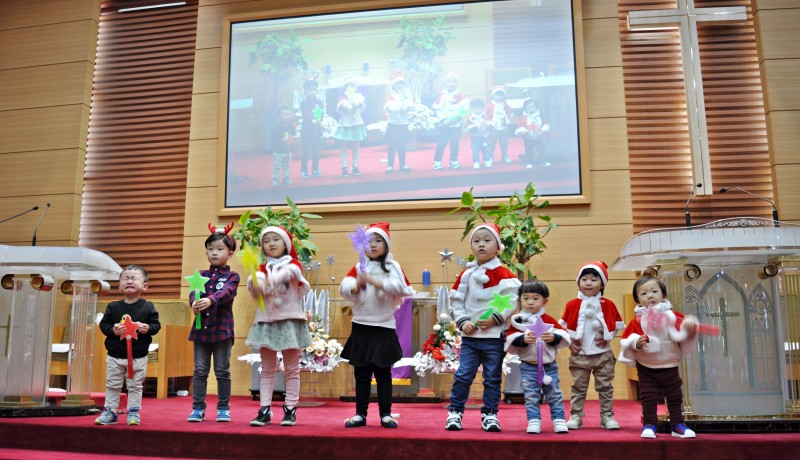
x=645, y=279
x=310, y=84
x=592, y=271
x=477, y=102
x=527, y=102
x=229, y=242
x=533, y=286
x=139, y=269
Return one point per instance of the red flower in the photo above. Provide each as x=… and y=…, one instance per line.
x=437, y=355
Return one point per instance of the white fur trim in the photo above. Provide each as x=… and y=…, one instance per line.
x=278, y=231
x=379, y=231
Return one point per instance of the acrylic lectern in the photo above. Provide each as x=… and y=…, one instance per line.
x=27, y=303
x=741, y=275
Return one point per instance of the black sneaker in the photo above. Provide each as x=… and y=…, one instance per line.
x=263, y=418
x=289, y=416
x=356, y=172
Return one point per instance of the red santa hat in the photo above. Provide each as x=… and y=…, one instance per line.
x=285, y=236
x=381, y=229
x=451, y=75
x=397, y=77
x=599, y=266
x=493, y=229
x=499, y=89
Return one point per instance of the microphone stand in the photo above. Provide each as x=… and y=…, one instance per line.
x=20, y=214
x=774, y=209
x=33, y=241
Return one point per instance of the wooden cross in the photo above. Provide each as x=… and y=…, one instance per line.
x=723, y=316
x=686, y=18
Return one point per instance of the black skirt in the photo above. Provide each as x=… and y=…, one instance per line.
x=372, y=345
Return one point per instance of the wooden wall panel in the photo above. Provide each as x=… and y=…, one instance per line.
x=605, y=92
x=772, y=39
x=601, y=43
x=784, y=136
x=608, y=135
x=18, y=15
x=787, y=176
x=781, y=84
x=33, y=45
x=54, y=172
x=47, y=128
x=45, y=86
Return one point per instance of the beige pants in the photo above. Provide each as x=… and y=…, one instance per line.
x=117, y=373
x=581, y=367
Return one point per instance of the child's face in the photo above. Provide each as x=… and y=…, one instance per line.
x=477, y=110
x=590, y=285
x=451, y=84
x=399, y=86
x=218, y=254
x=649, y=294
x=499, y=96
x=286, y=115
x=377, y=246
x=311, y=90
x=530, y=108
x=273, y=245
x=132, y=284
x=484, y=246
x=532, y=302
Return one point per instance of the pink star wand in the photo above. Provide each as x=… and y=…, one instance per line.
x=360, y=241
x=130, y=333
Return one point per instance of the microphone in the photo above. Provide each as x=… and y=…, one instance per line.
x=774, y=209
x=46, y=207
x=20, y=214
x=691, y=195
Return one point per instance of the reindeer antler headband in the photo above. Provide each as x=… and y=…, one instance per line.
x=224, y=231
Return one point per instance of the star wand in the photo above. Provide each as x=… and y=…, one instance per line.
x=249, y=260
x=360, y=241
x=130, y=333
x=197, y=283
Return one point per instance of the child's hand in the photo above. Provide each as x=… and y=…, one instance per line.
x=575, y=347
x=201, y=304
x=548, y=337
x=485, y=323
x=641, y=342
x=468, y=328
x=119, y=329
x=690, y=324
x=143, y=328
x=530, y=339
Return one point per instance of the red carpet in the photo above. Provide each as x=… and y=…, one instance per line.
x=320, y=434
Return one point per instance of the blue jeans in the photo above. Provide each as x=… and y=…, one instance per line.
x=533, y=391
x=222, y=370
x=475, y=352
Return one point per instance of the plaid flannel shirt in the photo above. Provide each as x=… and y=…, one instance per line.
x=217, y=320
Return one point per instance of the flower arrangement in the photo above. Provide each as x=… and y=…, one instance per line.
x=442, y=351
x=323, y=354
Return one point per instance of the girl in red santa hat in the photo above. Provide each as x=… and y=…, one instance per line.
x=655, y=341
x=532, y=128
x=592, y=322
x=498, y=116
x=281, y=325
x=376, y=292
x=350, y=131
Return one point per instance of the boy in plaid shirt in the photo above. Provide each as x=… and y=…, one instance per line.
x=215, y=337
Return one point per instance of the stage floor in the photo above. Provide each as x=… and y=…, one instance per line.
x=320, y=434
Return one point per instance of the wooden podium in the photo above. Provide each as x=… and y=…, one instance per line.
x=27, y=303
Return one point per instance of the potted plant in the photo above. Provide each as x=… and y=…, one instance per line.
x=422, y=41
x=281, y=57
x=294, y=221
x=519, y=231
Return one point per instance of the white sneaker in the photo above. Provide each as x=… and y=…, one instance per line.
x=535, y=426
x=575, y=422
x=437, y=165
x=489, y=422
x=529, y=166
x=476, y=165
x=560, y=426
x=682, y=431
x=487, y=164
x=453, y=422
x=649, y=431
x=608, y=422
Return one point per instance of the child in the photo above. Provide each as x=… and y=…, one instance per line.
x=532, y=128
x=373, y=346
x=592, y=321
x=282, y=325
x=475, y=125
x=132, y=282
x=498, y=116
x=351, y=128
x=533, y=296
x=283, y=137
x=484, y=281
x=655, y=341
x=216, y=336
x=312, y=109
x=451, y=108
x=397, y=134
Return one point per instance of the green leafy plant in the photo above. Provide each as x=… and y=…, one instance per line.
x=517, y=219
x=422, y=41
x=280, y=54
x=294, y=221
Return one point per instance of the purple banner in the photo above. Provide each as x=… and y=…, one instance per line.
x=403, y=322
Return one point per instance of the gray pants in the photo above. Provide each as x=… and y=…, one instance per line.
x=117, y=373
x=203, y=351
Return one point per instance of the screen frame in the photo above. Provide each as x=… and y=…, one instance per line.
x=584, y=197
